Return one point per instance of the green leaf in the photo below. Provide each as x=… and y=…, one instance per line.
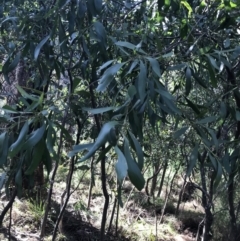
x=214, y=137
x=3, y=149
x=35, y=137
x=105, y=65
x=37, y=156
x=199, y=80
x=142, y=77
x=98, y=6
x=218, y=176
x=155, y=66
x=47, y=161
x=2, y=180
x=14, y=63
x=134, y=172
x=18, y=182
x=212, y=61
x=121, y=165
x=99, y=110
x=51, y=139
x=206, y=120
x=133, y=65
x=192, y=160
x=192, y=106
x=223, y=110
x=24, y=94
x=101, y=139
x=82, y=9
x=81, y=147
x=138, y=149
x=9, y=109
x=108, y=76
x=76, y=82
x=132, y=91
x=39, y=46
x=16, y=146
x=213, y=161
x=237, y=115
x=101, y=33
x=180, y=132
x=188, y=81
x=211, y=73
x=187, y=6
x=126, y=44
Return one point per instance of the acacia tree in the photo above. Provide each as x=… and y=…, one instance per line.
x=128, y=64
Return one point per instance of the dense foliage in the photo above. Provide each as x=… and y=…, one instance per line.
x=130, y=82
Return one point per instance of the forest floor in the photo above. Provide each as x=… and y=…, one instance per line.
x=138, y=219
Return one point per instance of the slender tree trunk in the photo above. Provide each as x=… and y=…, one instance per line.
x=206, y=202
x=91, y=183
x=233, y=232
x=8, y=206
x=181, y=195
x=103, y=166
x=162, y=179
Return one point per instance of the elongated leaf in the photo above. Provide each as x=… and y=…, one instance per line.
x=101, y=139
x=99, y=110
x=142, y=78
x=180, y=132
x=35, y=137
x=208, y=119
x=108, y=76
x=218, y=176
x=101, y=33
x=134, y=172
x=155, y=66
x=82, y=9
x=138, y=150
x=121, y=165
x=47, y=161
x=51, y=139
x=132, y=91
x=81, y=147
x=9, y=109
x=214, y=137
x=2, y=179
x=105, y=65
x=199, y=80
x=98, y=6
x=223, y=110
x=188, y=85
x=133, y=65
x=18, y=182
x=37, y=156
x=126, y=44
x=24, y=94
x=187, y=6
x=16, y=146
x=14, y=63
x=3, y=149
x=212, y=74
x=39, y=47
x=193, y=106
x=192, y=160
